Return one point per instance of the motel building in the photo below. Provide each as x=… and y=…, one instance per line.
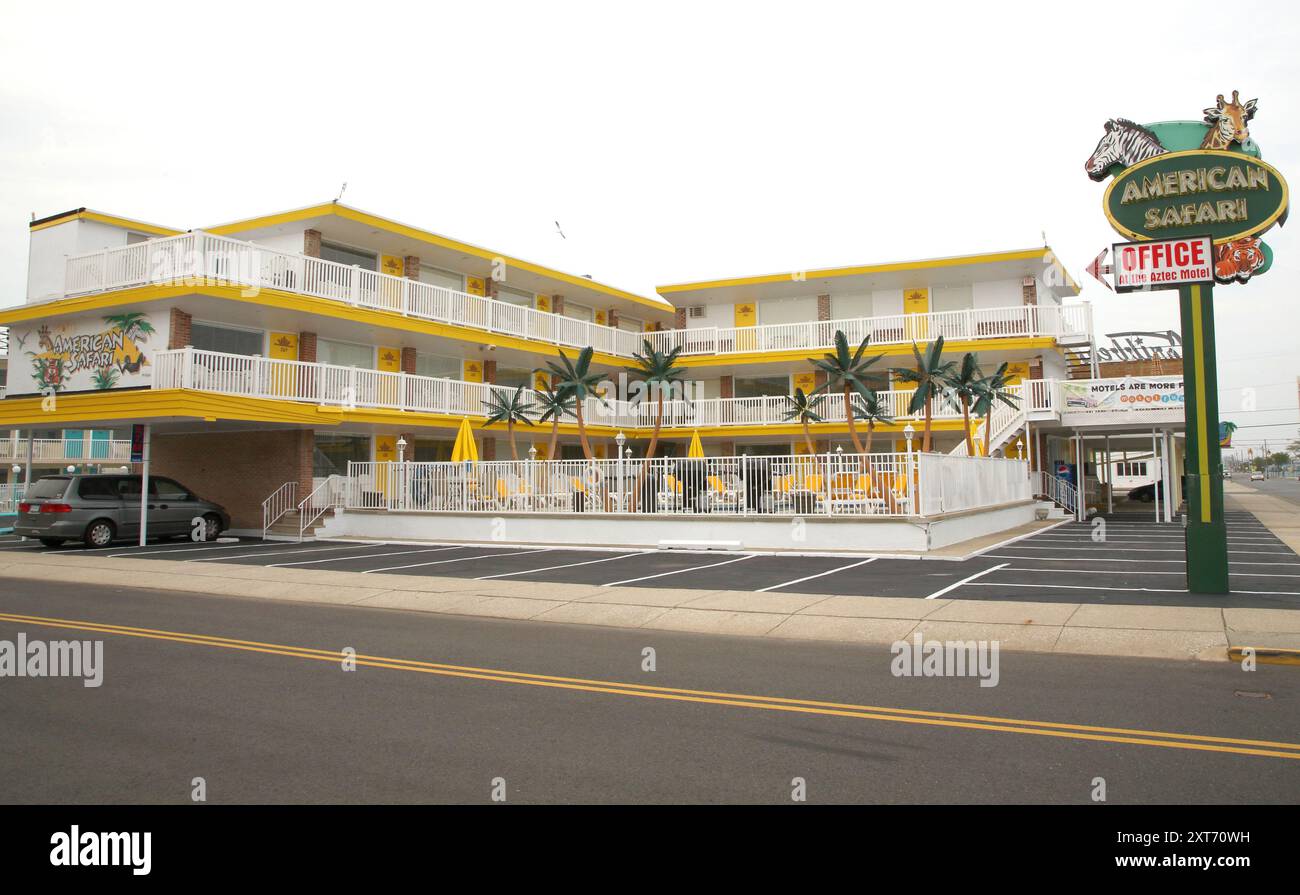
x=313, y=369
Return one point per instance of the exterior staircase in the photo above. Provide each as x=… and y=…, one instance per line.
x=285, y=518
x=289, y=526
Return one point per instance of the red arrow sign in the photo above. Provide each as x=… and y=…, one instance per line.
x=1099, y=270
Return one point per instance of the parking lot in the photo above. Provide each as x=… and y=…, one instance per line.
x=1134, y=561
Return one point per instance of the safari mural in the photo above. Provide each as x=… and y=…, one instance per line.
x=84, y=354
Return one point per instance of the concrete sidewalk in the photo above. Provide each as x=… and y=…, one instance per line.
x=1109, y=630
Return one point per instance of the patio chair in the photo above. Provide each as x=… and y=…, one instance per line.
x=721, y=496
x=670, y=497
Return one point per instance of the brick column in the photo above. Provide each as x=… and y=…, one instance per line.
x=408, y=360
x=1036, y=368
x=613, y=318
x=727, y=448
x=311, y=243
x=727, y=387
x=307, y=347
x=1029, y=291
x=178, y=330
x=412, y=267
x=490, y=287
x=557, y=304
x=823, y=307
x=679, y=318
x=304, y=449
x=489, y=371
x=489, y=448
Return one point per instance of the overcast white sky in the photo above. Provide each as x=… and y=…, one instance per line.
x=673, y=141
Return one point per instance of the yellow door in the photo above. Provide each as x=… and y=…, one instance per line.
x=916, y=302
x=284, y=377
x=745, y=315
x=385, y=454
x=389, y=361
x=472, y=371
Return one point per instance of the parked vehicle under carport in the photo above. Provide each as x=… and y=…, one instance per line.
x=100, y=509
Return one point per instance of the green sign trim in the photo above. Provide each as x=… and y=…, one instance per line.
x=1225, y=194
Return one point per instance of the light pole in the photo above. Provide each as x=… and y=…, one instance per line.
x=619, y=440
x=401, y=469
x=909, y=431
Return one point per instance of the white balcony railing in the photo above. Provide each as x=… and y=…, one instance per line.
x=197, y=256
x=353, y=387
x=64, y=450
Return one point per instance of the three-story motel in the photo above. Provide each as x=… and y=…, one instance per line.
x=267, y=353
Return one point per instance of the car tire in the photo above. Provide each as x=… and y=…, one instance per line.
x=211, y=527
x=99, y=533
x=52, y=542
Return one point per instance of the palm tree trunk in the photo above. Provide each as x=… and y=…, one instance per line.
x=965, y=416
x=848, y=416
x=555, y=437
x=925, y=442
x=807, y=437
x=514, y=448
x=582, y=430
x=649, y=451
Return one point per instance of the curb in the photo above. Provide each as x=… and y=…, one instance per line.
x=1265, y=655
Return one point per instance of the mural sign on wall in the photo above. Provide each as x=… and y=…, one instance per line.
x=83, y=354
x=1140, y=400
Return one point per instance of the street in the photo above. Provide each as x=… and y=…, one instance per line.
x=1283, y=489
x=252, y=697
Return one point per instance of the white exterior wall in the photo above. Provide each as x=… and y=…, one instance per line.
x=50, y=248
x=997, y=294
x=282, y=242
x=885, y=302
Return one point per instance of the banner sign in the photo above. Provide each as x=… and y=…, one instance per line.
x=1135, y=400
x=84, y=354
x=1163, y=264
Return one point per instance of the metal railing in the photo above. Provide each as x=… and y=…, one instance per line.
x=197, y=257
x=323, y=498
x=352, y=387
x=1057, y=490
x=78, y=450
x=878, y=484
x=281, y=501
x=10, y=494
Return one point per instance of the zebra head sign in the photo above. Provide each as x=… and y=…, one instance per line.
x=1181, y=178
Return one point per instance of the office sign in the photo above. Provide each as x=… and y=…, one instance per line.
x=1134, y=401
x=1163, y=264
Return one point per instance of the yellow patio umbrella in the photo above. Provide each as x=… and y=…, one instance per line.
x=465, y=449
x=696, y=449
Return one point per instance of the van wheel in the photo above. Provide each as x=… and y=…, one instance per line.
x=211, y=527
x=52, y=542
x=99, y=533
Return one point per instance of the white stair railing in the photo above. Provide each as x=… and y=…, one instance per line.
x=323, y=498
x=1057, y=490
x=281, y=501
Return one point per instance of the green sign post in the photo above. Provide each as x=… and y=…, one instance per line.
x=1167, y=188
x=1207, y=533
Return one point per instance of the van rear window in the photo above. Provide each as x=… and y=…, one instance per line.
x=49, y=488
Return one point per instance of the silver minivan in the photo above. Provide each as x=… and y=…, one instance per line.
x=99, y=509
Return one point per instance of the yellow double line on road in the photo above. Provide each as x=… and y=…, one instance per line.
x=1131, y=736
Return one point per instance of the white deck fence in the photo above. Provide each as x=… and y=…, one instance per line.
x=883, y=484
x=196, y=257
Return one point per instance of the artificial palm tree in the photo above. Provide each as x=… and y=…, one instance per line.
x=872, y=411
x=554, y=406
x=804, y=408
x=847, y=372
x=660, y=373
x=992, y=391
x=963, y=383
x=508, y=410
x=575, y=379
x=929, y=375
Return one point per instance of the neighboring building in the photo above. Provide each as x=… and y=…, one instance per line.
x=269, y=352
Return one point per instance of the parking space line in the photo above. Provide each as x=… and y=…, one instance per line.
x=680, y=571
x=1152, y=590
x=279, y=552
x=179, y=549
x=312, y=562
x=966, y=580
x=570, y=565
x=1093, y=572
x=818, y=575
x=440, y=562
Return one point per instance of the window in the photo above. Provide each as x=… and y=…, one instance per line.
x=513, y=378
x=345, y=354
x=436, y=276
x=696, y=312
x=758, y=386
x=167, y=489
x=514, y=296
x=578, y=312
x=631, y=324
x=333, y=451
x=429, y=451
x=229, y=340
x=97, y=489
x=49, y=488
x=136, y=238
x=439, y=365
x=344, y=255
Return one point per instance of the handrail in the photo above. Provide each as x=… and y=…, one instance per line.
x=330, y=486
x=277, y=505
x=203, y=256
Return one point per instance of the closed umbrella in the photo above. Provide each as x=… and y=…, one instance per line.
x=696, y=449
